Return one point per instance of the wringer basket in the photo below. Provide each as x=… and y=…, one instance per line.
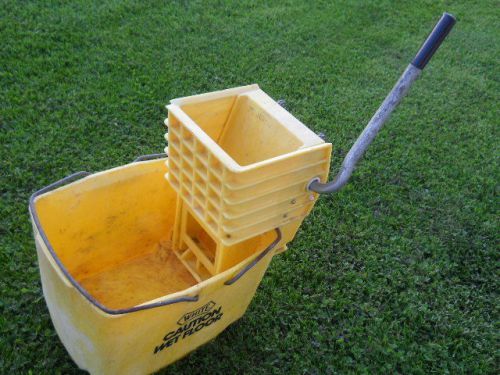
x=138, y=270
x=240, y=164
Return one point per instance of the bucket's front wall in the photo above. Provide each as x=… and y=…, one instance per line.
x=144, y=341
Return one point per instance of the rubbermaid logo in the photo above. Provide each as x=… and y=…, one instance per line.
x=196, y=313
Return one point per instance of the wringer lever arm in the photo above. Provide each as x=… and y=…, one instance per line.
x=412, y=72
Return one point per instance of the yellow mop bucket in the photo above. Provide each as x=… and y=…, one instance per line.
x=138, y=269
x=120, y=301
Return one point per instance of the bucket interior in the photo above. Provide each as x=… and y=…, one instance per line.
x=113, y=231
x=249, y=127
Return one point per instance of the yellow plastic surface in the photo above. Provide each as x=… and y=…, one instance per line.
x=242, y=163
x=204, y=255
x=112, y=231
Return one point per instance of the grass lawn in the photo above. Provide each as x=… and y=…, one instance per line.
x=396, y=273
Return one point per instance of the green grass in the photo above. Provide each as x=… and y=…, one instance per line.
x=396, y=273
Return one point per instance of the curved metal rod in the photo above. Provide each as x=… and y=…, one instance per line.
x=369, y=133
x=400, y=89
x=250, y=265
x=36, y=220
x=150, y=157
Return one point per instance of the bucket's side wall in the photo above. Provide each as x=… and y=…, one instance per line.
x=95, y=224
x=71, y=314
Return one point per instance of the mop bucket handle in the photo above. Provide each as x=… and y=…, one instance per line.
x=400, y=89
x=257, y=259
x=150, y=157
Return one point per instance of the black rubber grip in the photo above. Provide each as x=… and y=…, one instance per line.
x=434, y=40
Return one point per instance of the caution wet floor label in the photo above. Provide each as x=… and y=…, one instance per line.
x=191, y=323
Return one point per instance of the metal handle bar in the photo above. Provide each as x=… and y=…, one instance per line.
x=150, y=157
x=250, y=265
x=32, y=207
x=412, y=72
